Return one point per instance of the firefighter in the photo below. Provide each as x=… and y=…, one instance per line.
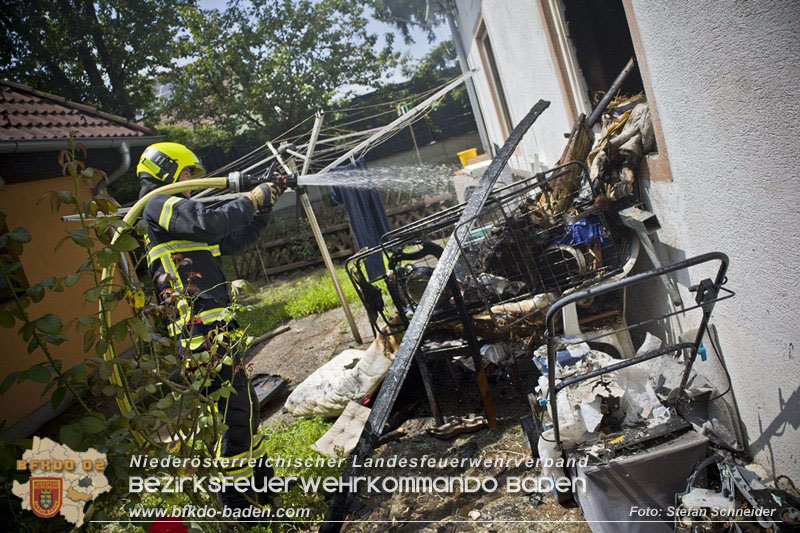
x=179, y=225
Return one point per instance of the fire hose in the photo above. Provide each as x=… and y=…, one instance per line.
x=234, y=182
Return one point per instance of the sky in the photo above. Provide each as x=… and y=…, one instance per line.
x=417, y=49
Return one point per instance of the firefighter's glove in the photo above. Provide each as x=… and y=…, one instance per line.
x=264, y=196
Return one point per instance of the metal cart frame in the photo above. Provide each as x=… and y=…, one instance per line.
x=707, y=293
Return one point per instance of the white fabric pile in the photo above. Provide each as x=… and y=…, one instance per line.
x=351, y=375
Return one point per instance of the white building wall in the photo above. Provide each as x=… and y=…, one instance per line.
x=527, y=74
x=725, y=76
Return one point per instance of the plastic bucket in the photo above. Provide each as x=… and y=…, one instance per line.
x=466, y=155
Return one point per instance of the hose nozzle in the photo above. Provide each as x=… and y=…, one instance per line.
x=240, y=182
x=287, y=181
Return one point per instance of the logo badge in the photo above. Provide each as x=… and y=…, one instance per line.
x=46, y=495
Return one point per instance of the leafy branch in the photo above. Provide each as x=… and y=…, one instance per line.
x=170, y=387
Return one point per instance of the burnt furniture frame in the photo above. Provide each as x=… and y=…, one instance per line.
x=707, y=293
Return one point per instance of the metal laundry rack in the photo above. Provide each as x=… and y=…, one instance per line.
x=411, y=254
x=707, y=292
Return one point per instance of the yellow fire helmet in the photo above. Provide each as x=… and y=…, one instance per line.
x=165, y=162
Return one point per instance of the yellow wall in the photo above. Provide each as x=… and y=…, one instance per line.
x=19, y=201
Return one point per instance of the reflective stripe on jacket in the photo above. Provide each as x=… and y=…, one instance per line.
x=187, y=237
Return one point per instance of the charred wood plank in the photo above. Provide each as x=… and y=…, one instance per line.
x=422, y=316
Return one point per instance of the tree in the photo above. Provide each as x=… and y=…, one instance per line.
x=101, y=52
x=424, y=76
x=403, y=14
x=438, y=66
x=266, y=65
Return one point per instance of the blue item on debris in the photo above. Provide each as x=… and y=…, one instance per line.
x=563, y=357
x=568, y=356
x=584, y=231
x=701, y=351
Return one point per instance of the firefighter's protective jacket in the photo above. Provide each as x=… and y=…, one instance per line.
x=200, y=233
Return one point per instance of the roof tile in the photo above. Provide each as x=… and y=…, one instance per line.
x=27, y=114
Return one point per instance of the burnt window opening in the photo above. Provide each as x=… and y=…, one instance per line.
x=603, y=45
x=494, y=81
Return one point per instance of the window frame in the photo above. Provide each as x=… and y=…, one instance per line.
x=492, y=71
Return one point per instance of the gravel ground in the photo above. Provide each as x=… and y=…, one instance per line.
x=310, y=343
x=468, y=512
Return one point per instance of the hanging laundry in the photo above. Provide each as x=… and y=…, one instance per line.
x=367, y=216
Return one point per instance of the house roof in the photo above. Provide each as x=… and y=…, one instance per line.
x=27, y=114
